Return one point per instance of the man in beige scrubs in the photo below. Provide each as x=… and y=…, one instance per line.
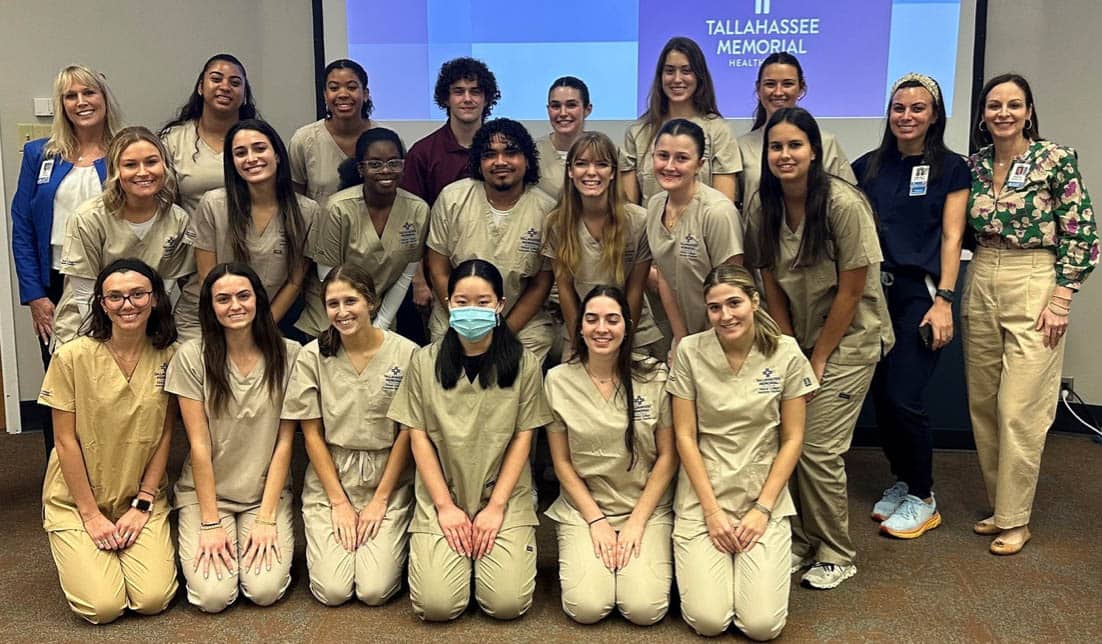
x=497, y=215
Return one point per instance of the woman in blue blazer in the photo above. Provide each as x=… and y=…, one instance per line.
x=57, y=175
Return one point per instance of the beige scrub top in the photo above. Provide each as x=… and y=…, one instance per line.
x=592, y=272
x=721, y=155
x=463, y=227
x=738, y=418
x=268, y=253
x=119, y=424
x=315, y=157
x=706, y=236
x=198, y=168
x=552, y=167
x=595, y=432
x=345, y=234
x=471, y=428
x=94, y=239
x=242, y=436
x=750, y=147
x=811, y=289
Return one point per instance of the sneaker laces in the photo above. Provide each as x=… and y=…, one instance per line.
x=897, y=491
x=827, y=567
x=909, y=508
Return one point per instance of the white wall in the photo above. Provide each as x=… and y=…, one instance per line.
x=1054, y=45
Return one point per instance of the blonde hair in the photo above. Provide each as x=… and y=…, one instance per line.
x=63, y=138
x=767, y=334
x=113, y=195
x=568, y=213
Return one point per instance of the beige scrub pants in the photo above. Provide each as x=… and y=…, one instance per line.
x=504, y=579
x=640, y=591
x=749, y=589
x=100, y=584
x=213, y=594
x=1013, y=380
x=820, y=529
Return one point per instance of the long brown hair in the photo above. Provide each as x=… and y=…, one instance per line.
x=566, y=217
x=704, y=97
x=767, y=333
x=329, y=341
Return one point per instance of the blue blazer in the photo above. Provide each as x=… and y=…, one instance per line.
x=32, y=213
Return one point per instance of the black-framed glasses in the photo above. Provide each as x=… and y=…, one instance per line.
x=394, y=165
x=136, y=299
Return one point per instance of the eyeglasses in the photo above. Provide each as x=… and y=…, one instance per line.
x=136, y=299
x=394, y=165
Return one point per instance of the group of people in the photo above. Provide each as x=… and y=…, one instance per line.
x=720, y=307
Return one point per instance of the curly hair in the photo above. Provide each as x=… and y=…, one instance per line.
x=514, y=134
x=468, y=69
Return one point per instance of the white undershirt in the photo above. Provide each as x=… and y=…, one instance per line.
x=142, y=229
x=500, y=215
x=80, y=185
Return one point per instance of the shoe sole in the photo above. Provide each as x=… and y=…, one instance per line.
x=931, y=523
x=847, y=575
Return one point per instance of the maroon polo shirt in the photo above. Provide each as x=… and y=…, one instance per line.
x=434, y=162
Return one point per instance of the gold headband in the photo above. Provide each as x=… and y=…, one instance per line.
x=929, y=84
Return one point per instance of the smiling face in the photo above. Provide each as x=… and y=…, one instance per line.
x=590, y=174
x=677, y=159
x=466, y=101
x=254, y=158
x=503, y=164
x=567, y=111
x=234, y=301
x=603, y=326
x=790, y=152
x=128, y=300
x=731, y=313
x=381, y=168
x=678, y=78
x=344, y=94
x=222, y=87
x=912, y=114
x=1005, y=111
x=348, y=309
x=141, y=171
x=84, y=106
x=779, y=87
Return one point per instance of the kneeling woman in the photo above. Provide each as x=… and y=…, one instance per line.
x=612, y=444
x=104, y=505
x=234, y=492
x=471, y=402
x=738, y=412
x=358, y=496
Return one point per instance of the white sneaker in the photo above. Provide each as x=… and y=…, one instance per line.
x=912, y=518
x=798, y=563
x=889, y=503
x=825, y=576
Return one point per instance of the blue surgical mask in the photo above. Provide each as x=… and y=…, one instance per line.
x=473, y=322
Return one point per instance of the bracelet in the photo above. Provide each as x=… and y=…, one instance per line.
x=768, y=512
x=1063, y=314
x=600, y=518
x=1061, y=297
x=152, y=493
x=210, y=526
x=260, y=521
x=713, y=512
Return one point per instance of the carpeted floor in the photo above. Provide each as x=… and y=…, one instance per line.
x=944, y=587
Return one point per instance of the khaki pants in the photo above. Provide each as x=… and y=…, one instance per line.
x=373, y=572
x=818, y=486
x=641, y=590
x=1013, y=380
x=213, y=595
x=749, y=589
x=504, y=579
x=100, y=584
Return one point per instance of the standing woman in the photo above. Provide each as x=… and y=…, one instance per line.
x=135, y=217
x=358, y=495
x=257, y=219
x=781, y=84
x=371, y=224
x=196, y=137
x=103, y=501
x=919, y=189
x=820, y=266
x=738, y=411
x=595, y=237
x=567, y=108
x=682, y=89
x=1037, y=242
x=234, y=493
x=691, y=227
x=318, y=149
x=612, y=445
x=475, y=508
x=57, y=175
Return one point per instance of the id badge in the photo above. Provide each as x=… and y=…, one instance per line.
x=1019, y=172
x=920, y=176
x=45, y=171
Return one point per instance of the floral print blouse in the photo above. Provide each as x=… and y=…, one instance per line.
x=1050, y=210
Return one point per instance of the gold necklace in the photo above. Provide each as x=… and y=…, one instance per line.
x=600, y=381
x=121, y=363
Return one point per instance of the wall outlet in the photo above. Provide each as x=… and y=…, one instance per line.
x=1068, y=383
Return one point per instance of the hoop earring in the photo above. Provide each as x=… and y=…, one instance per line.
x=982, y=126
x=1028, y=124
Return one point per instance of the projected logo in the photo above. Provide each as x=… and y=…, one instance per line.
x=761, y=6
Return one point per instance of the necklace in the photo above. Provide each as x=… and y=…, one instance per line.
x=127, y=371
x=600, y=381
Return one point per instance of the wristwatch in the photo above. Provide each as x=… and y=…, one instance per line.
x=945, y=294
x=141, y=505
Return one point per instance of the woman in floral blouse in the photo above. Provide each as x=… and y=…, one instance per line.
x=1037, y=242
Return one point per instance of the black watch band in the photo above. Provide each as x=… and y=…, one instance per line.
x=141, y=505
x=945, y=294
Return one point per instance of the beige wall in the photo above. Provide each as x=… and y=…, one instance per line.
x=151, y=52
x=1054, y=46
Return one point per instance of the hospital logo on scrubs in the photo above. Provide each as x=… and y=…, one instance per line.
x=769, y=382
x=172, y=243
x=407, y=235
x=689, y=247
x=530, y=241
x=392, y=379
x=644, y=410
x=159, y=376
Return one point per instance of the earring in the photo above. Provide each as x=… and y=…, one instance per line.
x=1028, y=124
x=982, y=126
